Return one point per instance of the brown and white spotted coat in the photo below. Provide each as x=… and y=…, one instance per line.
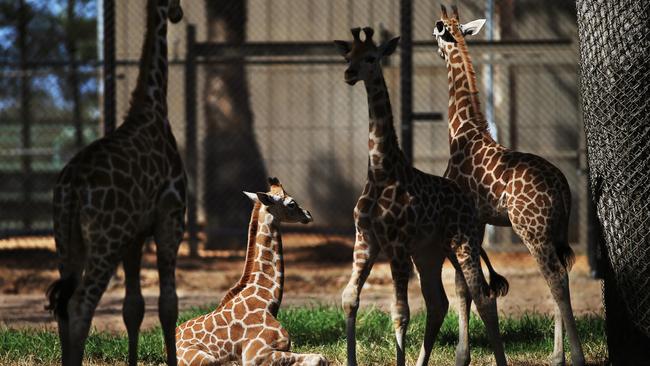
x=411, y=216
x=509, y=188
x=112, y=196
x=244, y=327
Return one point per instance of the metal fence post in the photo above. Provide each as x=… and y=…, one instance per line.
x=406, y=76
x=109, y=65
x=191, y=139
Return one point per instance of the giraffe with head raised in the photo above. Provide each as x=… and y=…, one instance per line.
x=244, y=328
x=508, y=187
x=413, y=217
x=112, y=196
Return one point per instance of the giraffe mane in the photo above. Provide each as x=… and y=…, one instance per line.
x=471, y=78
x=250, y=257
x=139, y=94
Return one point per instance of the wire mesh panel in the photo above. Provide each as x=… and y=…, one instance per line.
x=48, y=103
x=614, y=49
x=260, y=112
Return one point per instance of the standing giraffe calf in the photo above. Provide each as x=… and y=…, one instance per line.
x=111, y=197
x=411, y=216
x=509, y=188
x=244, y=327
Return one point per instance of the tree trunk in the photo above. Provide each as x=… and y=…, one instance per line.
x=232, y=160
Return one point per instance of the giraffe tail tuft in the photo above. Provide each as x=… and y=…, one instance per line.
x=499, y=286
x=58, y=294
x=565, y=254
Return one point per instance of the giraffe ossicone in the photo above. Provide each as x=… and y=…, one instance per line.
x=244, y=328
x=411, y=216
x=508, y=187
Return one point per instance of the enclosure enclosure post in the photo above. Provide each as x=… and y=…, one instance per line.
x=25, y=110
x=190, y=139
x=406, y=77
x=109, y=65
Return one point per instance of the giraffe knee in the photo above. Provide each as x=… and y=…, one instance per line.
x=350, y=301
x=400, y=315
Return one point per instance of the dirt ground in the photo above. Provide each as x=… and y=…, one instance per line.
x=317, y=268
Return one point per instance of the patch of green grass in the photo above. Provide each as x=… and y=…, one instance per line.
x=528, y=339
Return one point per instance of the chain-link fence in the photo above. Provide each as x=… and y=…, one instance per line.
x=614, y=49
x=267, y=97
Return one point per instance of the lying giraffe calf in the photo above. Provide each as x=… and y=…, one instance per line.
x=244, y=328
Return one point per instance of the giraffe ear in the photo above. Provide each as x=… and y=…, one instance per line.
x=387, y=49
x=266, y=199
x=343, y=47
x=252, y=196
x=472, y=28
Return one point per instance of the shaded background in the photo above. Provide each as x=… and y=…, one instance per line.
x=272, y=100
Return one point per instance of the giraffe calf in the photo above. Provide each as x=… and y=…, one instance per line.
x=244, y=327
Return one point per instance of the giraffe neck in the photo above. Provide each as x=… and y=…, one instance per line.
x=267, y=271
x=384, y=153
x=465, y=117
x=151, y=88
x=250, y=255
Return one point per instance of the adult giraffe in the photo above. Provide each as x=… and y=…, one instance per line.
x=114, y=194
x=413, y=217
x=509, y=188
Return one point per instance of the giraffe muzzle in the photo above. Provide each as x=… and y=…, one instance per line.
x=308, y=218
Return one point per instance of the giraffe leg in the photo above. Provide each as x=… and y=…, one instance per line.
x=470, y=261
x=168, y=234
x=463, y=356
x=557, y=279
x=558, y=339
x=257, y=353
x=133, y=306
x=83, y=303
x=195, y=357
x=430, y=270
x=401, y=271
x=365, y=253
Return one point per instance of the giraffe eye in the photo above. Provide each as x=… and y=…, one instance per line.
x=292, y=205
x=370, y=59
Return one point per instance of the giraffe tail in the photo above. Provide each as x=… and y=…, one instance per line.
x=499, y=285
x=565, y=254
x=58, y=294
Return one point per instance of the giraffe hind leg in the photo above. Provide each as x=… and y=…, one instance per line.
x=557, y=278
x=469, y=260
x=133, y=306
x=168, y=233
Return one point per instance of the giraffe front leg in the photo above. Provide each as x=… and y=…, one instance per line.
x=429, y=264
x=401, y=271
x=168, y=234
x=365, y=254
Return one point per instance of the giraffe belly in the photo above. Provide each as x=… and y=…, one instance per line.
x=495, y=212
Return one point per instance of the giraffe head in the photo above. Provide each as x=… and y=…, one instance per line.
x=364, y=56
x=280, y=204
x=175, y=12
x=450, y=33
